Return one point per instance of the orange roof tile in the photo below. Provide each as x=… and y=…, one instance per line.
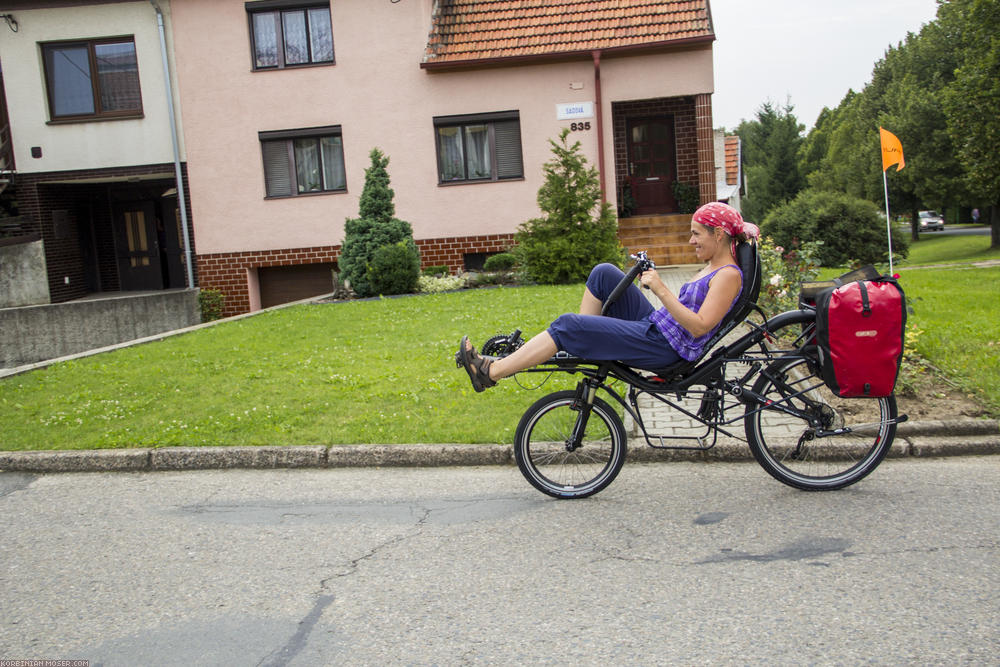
x=464, y=31
x=732, y=160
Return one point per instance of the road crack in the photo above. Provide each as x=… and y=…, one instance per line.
x=324, y=598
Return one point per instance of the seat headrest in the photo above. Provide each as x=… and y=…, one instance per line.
x=748, y=258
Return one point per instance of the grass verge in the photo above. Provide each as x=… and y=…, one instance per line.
x=355, y=372
x=932, y=249
x=957, y=326
x=382, y=372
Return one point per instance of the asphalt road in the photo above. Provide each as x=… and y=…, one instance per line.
x=956, y=231
x=682, y=563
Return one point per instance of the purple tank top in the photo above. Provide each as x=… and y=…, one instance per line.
x=692, y=295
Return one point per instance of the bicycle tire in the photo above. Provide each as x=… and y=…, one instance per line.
x=544, y=460
x=781, y=443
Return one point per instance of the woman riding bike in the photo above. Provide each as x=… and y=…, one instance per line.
x=636, y=333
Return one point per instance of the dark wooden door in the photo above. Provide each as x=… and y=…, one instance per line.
x=138, y=247
x=652, y=164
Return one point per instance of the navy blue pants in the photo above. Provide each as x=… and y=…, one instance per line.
x=624, y=334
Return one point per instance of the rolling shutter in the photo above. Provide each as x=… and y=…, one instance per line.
x=284, y=284
x=277, y=170
x=508, y=149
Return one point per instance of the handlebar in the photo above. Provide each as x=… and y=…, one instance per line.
x=642, y=264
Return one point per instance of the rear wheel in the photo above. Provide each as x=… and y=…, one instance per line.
x=831, y=443
x=547, y=459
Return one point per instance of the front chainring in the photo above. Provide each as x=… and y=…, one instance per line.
x=502, y=345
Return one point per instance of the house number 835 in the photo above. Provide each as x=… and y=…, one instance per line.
x=580, y=127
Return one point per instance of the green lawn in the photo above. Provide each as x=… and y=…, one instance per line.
x=382, y=371
x=931, y=249
x=957, y=314
x=357, y=372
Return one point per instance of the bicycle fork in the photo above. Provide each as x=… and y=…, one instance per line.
x=583, y=403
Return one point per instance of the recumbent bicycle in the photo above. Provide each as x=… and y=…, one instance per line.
x=572, y=443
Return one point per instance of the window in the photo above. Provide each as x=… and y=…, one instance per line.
x=479, y=147
x=290, y=34
x=92, y=79
x=299, y=162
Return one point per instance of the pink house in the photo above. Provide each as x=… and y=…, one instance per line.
x=282, y=101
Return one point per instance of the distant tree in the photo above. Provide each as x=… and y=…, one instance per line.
x=972, y=99
x=816, y=144
x=577, y=230
x=771, y=144
x=904, y=97
x=916, y=74
x=829, y=155
x=379, y=255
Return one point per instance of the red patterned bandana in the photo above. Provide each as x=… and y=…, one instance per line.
x=717, y=214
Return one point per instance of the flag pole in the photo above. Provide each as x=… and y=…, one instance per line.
x=890, y=145
x=888, y=226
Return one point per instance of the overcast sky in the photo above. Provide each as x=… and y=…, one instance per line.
x=811, y=51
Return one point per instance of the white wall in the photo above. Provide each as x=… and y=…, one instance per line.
x=84, y=145
x=380, y=96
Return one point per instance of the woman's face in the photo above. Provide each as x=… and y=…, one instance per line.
x=705, y=240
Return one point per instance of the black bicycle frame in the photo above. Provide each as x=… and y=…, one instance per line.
x=709, y=372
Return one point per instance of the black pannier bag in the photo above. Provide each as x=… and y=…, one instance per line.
x=860, y=331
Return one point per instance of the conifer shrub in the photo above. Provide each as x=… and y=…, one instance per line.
x=577, y=230
x=503, y=261
x=375, y=228
x=395, y=268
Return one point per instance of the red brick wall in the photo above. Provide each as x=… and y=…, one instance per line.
x=450, y=251
x=227, y=272
x=706, y=148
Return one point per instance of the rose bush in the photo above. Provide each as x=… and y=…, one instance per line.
x=783, y=270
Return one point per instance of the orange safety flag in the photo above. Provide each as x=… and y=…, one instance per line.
x=892, y=150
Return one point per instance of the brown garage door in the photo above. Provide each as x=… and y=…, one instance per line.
x=281, y=284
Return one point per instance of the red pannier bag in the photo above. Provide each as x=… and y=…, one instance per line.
x=860, y=329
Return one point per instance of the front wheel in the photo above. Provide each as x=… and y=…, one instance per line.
x=546, y=457
x=830, y=443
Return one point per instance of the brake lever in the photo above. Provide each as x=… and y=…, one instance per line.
x=645, y=264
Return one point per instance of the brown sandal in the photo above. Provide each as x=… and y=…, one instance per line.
x=478, y=367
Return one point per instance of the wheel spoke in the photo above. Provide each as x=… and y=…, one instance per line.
x=856, y=432
x=544, y=458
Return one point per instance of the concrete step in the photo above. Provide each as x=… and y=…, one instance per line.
x=663, y=237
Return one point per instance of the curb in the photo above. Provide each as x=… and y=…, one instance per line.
x=963, y=437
